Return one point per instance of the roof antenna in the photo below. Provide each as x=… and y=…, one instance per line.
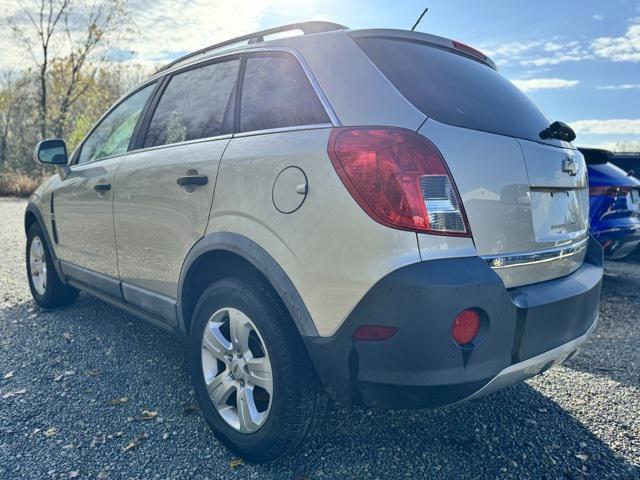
x=419, y=18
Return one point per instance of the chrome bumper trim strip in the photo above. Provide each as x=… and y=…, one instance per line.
x=542, y=256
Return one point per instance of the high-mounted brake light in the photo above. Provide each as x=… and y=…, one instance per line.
x=399, y=178
x=470, y=50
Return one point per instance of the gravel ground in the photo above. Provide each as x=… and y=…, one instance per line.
x=75, y=384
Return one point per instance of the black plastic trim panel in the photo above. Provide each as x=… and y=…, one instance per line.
x=421, y=365
x=152, y=302
x=104, y=283
x=263, y=262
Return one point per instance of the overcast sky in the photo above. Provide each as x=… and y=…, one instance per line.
x=578, y=59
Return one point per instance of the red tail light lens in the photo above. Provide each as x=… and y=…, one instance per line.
x=465, y=327
x=610, y=191
x=399, y=178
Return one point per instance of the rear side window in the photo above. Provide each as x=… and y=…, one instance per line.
x=454, y=89
x=194, y=105
x=276, y=93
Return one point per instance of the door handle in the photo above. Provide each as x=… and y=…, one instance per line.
x=196, y=180
x=102, y=187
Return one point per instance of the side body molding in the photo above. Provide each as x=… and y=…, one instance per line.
x=263, y=262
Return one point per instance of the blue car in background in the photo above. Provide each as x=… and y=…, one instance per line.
x=629, y=162
x=614, y=204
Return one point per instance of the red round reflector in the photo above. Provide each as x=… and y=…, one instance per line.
x=465, y=327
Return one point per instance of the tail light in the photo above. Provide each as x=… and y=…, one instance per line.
x=399, y=178
x=609, y=191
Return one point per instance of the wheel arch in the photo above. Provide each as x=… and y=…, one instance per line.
x=32, y=215
x=223, y=254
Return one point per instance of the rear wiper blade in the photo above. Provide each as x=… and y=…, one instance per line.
x=560, y=131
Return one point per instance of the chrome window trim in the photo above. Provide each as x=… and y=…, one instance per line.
x=498, y=262
x=311, y=126
x=225, y=136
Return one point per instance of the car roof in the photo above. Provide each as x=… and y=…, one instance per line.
x=313, y=29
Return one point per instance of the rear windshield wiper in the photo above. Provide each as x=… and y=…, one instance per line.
x=560, y=131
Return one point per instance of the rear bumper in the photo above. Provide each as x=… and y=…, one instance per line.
x=533, y=366
x=525, y=330
x=618, y=238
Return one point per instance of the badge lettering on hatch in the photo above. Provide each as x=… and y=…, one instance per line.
x=570, y=166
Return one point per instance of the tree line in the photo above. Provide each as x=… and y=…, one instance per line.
x=67, y=77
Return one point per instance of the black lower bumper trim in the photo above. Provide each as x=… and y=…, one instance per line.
x=421, y=365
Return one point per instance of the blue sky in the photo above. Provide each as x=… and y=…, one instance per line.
x=579, y=60
x=537, y=41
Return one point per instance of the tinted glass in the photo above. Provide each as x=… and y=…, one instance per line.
x=276, y=93
x=194, y=104
x=454, y=89
x=113, y=134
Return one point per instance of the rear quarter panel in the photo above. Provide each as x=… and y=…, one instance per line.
x=330, y=249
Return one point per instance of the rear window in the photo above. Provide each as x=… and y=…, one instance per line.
x=454, y=89
x=276, y=93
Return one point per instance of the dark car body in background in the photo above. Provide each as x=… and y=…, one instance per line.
x=614, y=204
x=629, y=162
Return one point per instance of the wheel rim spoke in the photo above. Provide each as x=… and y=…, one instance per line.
x=250, y=418
x=220, y=389
x=260, y=373
x=215, y=342
x=240, y=328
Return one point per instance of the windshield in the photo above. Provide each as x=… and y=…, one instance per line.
x=454, y=89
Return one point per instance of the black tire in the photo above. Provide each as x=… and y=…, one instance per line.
x=56, y=293
x=298, y=401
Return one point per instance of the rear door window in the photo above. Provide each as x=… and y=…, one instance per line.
x=276, y=93
x=454, y=89
x=195, y=104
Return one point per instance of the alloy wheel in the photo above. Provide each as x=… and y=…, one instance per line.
x=237, y=370
x=38, y=266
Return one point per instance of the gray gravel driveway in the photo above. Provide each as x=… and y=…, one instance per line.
x=91, y=392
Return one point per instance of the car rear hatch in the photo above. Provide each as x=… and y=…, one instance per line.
x=526, y=198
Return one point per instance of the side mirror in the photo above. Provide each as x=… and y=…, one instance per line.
x=52, y=152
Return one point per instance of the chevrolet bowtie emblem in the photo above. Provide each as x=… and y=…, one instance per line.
x=570, y=166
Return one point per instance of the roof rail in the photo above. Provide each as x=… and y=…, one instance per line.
x=257, y=37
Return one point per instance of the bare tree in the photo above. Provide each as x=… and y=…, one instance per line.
x=95, y=23
x=43, y=17
x=624, y=147
x=78, y=31
x=12, y=93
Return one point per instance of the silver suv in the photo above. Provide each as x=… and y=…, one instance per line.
x=376, y=215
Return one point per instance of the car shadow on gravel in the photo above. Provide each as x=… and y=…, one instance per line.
x=613, y=349
x=78, y=364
